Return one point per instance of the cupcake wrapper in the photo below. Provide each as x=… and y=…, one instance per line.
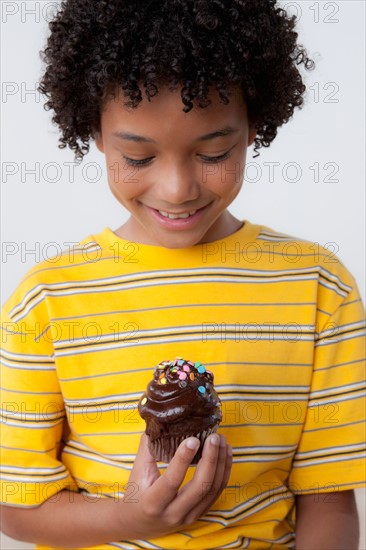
x=164, y=448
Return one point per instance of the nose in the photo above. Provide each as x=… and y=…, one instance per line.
x=177, y=185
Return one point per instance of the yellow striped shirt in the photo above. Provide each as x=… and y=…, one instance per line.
x=278, y=320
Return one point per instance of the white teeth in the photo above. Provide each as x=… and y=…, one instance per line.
x=177, y=216
x=174, y=216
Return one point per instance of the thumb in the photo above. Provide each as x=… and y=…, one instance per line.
x=144, y=471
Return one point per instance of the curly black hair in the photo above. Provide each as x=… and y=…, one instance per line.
x=98, y=46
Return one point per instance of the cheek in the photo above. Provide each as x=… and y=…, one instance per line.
x=124, y=180
x=228, y=178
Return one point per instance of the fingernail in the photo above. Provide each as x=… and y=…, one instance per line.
x=229, y=450
x=215, y=439
x=192, y=443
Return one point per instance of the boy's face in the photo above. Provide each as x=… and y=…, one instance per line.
x=177, y=176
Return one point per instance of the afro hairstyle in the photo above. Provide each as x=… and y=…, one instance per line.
x=98, y=46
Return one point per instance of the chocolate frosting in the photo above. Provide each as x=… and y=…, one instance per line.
x=180, y=400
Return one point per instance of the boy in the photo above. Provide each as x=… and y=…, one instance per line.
x=182, y=276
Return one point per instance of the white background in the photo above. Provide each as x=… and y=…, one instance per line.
x=63, y=203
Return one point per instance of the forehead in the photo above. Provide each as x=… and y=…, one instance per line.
x=164, y=112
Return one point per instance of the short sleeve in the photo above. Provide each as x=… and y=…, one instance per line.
x=32, y=407
x=331, y=452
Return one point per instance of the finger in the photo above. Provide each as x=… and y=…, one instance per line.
x=203, y=478
x=220, y=467
x=143, y=454
x=145, y=470
x=165, y=489
x=228, y=465
x=215, y=489
x=222, y=478
x=227, y=461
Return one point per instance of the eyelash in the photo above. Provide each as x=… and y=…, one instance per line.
x=143, y=162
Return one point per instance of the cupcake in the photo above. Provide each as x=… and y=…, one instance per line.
x=179, y=402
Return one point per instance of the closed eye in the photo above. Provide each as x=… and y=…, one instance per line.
x=144, y=162
x=136, y=162
x=216, y=159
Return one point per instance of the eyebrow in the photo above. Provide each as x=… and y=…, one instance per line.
x=226, y=131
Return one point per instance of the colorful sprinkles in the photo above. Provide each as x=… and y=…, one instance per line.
x=185, y=370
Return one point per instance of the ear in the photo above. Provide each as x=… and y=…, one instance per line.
x=99, y=141
x=251, y=135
